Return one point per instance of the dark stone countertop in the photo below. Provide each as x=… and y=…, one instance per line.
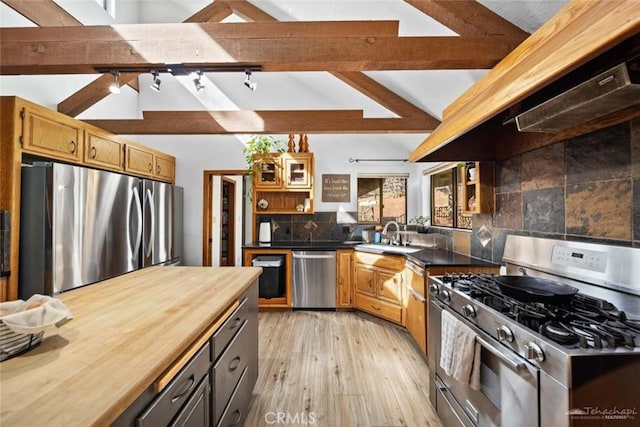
x=427, y=257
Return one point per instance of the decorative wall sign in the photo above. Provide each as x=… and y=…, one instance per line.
x=336, y=188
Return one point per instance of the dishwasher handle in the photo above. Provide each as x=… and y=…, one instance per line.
x=317, y=256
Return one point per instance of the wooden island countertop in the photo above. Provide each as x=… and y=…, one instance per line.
x=125, y=333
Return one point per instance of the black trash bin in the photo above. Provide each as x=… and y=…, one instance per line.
x=271, y=282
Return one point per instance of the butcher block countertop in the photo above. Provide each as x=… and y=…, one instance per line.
x=125, y=333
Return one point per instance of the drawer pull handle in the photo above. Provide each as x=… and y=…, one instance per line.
x=94, y=152
x=158, y=169
x=238, y=417
x=150, y=167
x=375, y=307
x=72, y=147
x=191, y=382
x=233, y=365
x=237, y=323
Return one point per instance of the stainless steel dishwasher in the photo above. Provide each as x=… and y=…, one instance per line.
x=314, y=279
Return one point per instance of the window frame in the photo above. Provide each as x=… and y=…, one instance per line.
x=380, y=203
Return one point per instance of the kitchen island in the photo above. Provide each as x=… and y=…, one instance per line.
x=126, y=333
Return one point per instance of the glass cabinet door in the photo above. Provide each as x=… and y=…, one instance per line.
x=297, y=172
x=268, y=174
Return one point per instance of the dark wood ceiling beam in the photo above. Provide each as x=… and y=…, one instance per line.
x=93, y=92
x=45, y=13
x=214, y=12
x=23, y=52
x=259, y=122
x=89, y=95
x=384, y=96
x=469, y=18
x=359, y=81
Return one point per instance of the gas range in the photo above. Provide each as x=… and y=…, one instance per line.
x=560, y=326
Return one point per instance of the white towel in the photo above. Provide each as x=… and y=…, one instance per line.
x=459, y=351
x=447, y=338
x=463, y=355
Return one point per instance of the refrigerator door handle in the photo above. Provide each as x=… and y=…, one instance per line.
x=152, y=212
x=136, y=196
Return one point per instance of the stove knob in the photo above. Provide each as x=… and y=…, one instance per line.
x=532, y=351
x=504, y=333
x=433, y=289
x=446, y=295
x=469, y=310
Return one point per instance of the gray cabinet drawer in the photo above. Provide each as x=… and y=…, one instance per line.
x=229, y=328
x=236, y=411
x=228, y=369
x=170, y=400
x=196, y=411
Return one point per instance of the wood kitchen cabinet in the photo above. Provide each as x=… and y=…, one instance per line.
x=297, y=170
x=344, y=277
x=165, y=167
x=50, y=134
x=139, y=160
x=277, y=302
x=103, y=150
x=477, y=187
x=379, y=283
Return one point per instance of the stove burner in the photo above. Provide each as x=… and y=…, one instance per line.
x=585, y=321
x=559, y=333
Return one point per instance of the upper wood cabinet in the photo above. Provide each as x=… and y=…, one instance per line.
x=477, y=187
x=47, y=134
x=297, y=170
x=285, y=182
x=268, y=174
x=139, y=160
x=165, y=167
x=103, y=150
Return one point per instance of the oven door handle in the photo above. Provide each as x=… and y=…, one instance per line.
x=516, y=364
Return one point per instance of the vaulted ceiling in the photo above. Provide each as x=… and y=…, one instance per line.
x=384, y=66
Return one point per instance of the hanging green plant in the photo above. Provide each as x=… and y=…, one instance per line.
x=260, y=146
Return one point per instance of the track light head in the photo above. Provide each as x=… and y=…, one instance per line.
x=114, y=87
x=156, y=81
x=248, y=83
x=196, y=81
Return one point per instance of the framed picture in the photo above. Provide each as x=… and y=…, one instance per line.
x=443, y=206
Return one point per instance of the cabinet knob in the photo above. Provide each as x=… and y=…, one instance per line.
x=72, y=147
x=158, y=169
x=150, y=167
x=94, y=152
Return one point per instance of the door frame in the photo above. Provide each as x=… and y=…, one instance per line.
x=207, y=209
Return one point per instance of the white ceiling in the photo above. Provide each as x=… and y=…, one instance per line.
x=430, y=90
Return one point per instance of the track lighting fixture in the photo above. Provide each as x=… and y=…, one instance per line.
x=114, y=87
x=248, y=83
x=196, y=81
x=156, y=81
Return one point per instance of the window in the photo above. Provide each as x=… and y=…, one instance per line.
x=446, y=200
x=382, y=199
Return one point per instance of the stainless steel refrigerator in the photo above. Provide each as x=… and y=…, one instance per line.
x=162, y=218
x=79, y=226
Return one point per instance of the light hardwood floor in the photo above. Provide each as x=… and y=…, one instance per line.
x=320, y=368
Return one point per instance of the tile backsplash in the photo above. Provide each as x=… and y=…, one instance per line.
x=585, y=188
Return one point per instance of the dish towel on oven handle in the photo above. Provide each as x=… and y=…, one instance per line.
x=447, y=341
x=459, y=351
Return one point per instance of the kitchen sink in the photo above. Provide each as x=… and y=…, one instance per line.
x=372, y=247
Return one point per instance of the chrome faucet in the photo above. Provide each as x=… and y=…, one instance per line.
x=386, y=227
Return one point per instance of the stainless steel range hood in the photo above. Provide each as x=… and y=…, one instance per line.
x=606, y=93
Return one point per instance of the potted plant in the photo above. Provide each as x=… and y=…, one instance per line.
x=422, y=223
x=260, y=146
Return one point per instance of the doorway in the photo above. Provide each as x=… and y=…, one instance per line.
x=223, y=217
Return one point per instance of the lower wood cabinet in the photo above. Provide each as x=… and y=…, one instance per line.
x=214, y=387
x=344, y=282
x=379, y=285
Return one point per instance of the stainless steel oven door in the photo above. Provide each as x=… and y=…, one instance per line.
x=508, y=394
